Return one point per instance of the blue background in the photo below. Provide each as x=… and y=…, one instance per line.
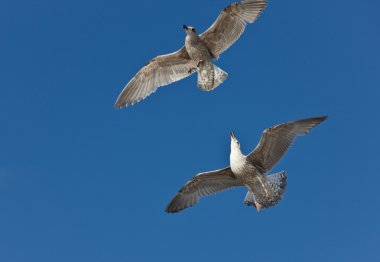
x=82, y=181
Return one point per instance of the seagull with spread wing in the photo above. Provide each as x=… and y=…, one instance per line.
x=248, y=170
x=196, y=56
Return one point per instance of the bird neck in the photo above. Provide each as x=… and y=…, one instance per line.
x=237, y=159
x=191, y=37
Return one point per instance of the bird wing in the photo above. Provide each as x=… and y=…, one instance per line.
x=202, y=184
x=160, y=71
x=230, y=24
x=276, y=140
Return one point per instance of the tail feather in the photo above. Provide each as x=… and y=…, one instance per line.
x=276, y=182
x=210, y=76
x=275, y=185
x=219, y=76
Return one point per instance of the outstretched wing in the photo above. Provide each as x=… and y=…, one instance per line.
x=230, y=24
x=203, y=184
x=160, y=71
x=276, y=140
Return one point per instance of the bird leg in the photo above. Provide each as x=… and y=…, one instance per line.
x=257, y=205
x=200, y=62
x=191, y=70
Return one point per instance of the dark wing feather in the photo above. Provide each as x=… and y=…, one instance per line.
x=203, y=184
x=230, y=24
x=160, y=71
x=275, y=141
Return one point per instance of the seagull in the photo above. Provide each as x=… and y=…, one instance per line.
x=196, y=55
x=264, y=190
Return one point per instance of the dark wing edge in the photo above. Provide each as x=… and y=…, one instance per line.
x=230, y=24
x=203, y=184
x=160, y=71
x=275, y=142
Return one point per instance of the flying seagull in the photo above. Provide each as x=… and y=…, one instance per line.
x=197, y=54
x=250, y=171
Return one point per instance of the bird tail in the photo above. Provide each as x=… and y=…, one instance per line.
x=219, y=76
x=210, y=76
x=276, y=182
x=276, y=185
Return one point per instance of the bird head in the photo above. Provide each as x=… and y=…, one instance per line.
x=189, y=29
x=234, y=142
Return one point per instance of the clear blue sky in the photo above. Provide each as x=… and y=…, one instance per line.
x=81, y=181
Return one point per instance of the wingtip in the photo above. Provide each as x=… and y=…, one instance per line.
x=171, y=210
x=320, y=119
x=323, y=117
x=118, y=104
x=170, y=207
x=176, y=205
x=316, y=119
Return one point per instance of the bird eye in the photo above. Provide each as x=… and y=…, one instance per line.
x=193, y=29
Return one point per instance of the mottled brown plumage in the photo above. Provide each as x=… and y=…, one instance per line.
x=249, y=171
x=197, y=55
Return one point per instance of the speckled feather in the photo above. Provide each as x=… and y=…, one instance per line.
x=249, y=171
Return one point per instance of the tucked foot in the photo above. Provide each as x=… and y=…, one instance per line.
x=191, y=70
x=257, y=205
x=200, y=62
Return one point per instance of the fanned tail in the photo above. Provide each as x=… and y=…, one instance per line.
x=210, y=76
x=275, y=185
x=219, y=76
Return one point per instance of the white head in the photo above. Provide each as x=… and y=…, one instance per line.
x=235, y=145
x=189, y=30
x=237, y=158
